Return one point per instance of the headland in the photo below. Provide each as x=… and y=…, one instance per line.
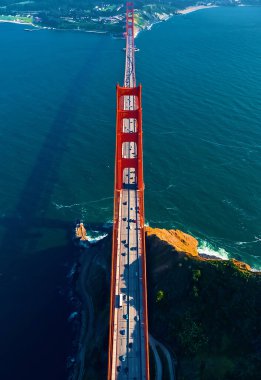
x=199, y=308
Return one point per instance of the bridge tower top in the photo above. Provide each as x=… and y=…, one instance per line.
x=129, y=18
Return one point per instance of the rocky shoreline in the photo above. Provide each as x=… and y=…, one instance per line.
x=171, y=254
x=201, y=308
x=139, y=26
x=182, y=242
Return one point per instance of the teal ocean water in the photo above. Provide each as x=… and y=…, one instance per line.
x=201, y=77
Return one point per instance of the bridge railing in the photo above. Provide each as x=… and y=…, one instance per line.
x=121, y=163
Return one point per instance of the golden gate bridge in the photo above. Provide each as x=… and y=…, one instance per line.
x=128, y=353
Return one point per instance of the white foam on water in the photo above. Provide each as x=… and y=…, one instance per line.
x=60, y=206
x=72, y=271
x=257, y=239
x=256, y=269
x=95, y=239
x=207, y=249
x=72, y=316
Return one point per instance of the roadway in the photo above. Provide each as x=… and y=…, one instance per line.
x=128, y=352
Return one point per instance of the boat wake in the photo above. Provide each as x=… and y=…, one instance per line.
x=256, y=240
x=60, y=206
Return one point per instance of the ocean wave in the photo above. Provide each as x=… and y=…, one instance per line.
x=205, y=248
x=240, y=147
x=256, y=240
x=72, y=316
x=95, y=238
x=99, y=200
x=72, y=271
x=255, y=262
x=256, y=269
x=239, y=210
x=60, y=206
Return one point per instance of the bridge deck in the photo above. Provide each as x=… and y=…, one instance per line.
x=129, y=348
x=129, y=280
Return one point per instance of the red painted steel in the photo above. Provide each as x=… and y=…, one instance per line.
x=121, y=137
x=122, y=163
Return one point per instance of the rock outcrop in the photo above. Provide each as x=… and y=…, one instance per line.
x=80, y=232
x=187, y=244
x=242, y=266
x=201, y=307
x=180, y=241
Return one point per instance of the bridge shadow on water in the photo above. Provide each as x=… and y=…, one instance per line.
x=35, y=197
x=35, y=340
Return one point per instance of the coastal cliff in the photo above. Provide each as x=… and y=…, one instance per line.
x=180, y=241
x=187, y=244
x=206, y=312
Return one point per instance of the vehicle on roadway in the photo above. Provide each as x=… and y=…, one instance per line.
x=123, y=358
x=120, y=300
x=122, y=332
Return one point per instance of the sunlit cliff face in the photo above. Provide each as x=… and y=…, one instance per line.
x=180, y=241
x=187, y=244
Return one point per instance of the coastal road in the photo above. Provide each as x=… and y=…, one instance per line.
x=154, y=343
x=158, y=365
